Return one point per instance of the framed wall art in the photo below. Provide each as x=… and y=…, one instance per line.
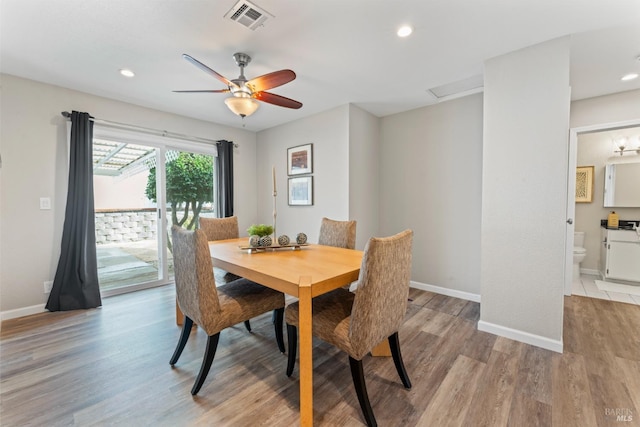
x=301, y=191
x=584, y=184
x=300, y=160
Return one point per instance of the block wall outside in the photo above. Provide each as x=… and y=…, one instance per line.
x=132, y=225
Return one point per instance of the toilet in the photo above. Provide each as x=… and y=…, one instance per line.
x=579, y=252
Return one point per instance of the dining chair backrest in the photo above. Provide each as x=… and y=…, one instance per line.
x=220, y=228
x=341, y=234
x=380, y=303
x=195, y=285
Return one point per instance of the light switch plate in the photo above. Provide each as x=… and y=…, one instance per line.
x=45, y=203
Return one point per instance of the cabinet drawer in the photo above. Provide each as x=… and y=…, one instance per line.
x=623, y=236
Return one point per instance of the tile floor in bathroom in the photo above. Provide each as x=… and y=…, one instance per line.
x=586, y=287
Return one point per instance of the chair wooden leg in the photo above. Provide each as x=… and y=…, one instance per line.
x=209, y=354
x=394, y=344
x=357, y=374
x=292, y=338
x=247, y=325
x=278, y=314
x=187, y=324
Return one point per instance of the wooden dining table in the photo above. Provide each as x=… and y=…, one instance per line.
x=305, y=272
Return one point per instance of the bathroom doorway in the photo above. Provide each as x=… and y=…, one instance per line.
x=586, y=217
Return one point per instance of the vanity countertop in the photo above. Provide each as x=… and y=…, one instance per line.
x=623, y=224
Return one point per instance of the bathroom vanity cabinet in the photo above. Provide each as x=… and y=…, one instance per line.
x=620, y=255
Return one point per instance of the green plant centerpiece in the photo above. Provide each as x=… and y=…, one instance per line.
x=260, y=230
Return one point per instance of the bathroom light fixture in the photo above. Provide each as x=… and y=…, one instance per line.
x=127, y=73
x=242, y=106
x=404, y=31
x=620, y=145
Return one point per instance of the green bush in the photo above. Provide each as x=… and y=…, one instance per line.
x=260, y=230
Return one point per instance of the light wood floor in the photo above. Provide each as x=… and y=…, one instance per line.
x=110, y=366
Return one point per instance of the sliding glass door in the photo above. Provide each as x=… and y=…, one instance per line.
x=129, y=236
x=141, y=189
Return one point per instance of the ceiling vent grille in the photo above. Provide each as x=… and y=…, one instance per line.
x=458, y=89
x=248, y=14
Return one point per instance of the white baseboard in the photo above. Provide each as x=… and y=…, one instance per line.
x=446, y=291
x=590, y=272
x=24, y=311
x=521, y=336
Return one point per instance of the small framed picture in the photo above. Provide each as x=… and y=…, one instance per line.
x=584, y=184
x=300, y=159
x=301, y=191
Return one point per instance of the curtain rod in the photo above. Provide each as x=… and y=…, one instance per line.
x=151, y=131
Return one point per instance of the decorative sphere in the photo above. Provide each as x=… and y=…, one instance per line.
x=254, y=241
x=265, y=241
x=283, y=240
x=301, y=238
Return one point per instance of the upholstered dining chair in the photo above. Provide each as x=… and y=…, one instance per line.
x=222, y=229
x=357, y=322
x=341, y=234
x=210, y=307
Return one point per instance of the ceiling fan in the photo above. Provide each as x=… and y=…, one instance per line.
x=245, y=92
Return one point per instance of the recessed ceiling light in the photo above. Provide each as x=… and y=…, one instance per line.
x=404, y=31
x=127, y=73
x=629, y=77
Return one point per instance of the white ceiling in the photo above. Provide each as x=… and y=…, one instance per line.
x=343, y=51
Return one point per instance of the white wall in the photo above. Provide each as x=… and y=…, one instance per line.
x=34, y=165
x=112, y=193
x=614, y=108
x=329, y=134
x=364, y=174
x=524, y=193
x=431, y=175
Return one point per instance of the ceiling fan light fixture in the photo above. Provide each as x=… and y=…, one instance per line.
x=242, y=106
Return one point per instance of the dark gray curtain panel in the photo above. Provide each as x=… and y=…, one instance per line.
x=75, y=285
x=224, y=179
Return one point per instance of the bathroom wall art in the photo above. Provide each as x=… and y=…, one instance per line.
x=584, y=184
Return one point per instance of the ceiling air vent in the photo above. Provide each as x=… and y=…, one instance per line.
x=248, y=14
x=468, y=86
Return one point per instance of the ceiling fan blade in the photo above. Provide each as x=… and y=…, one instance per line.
x=203, y=91
x=278, y=100
x=208, y=70
x=271, y=80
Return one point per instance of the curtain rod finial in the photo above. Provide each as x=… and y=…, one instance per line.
x=66, y=114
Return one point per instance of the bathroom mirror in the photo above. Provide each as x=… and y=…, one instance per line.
x=622, y=185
